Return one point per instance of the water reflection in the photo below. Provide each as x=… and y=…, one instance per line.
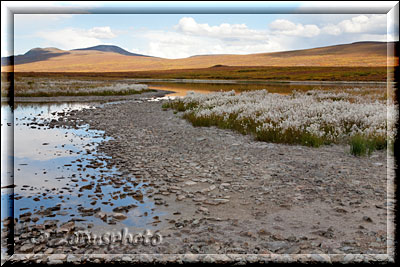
x=59, y=174
x=181, y=89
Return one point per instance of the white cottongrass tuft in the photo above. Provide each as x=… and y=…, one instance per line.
x=330, y=116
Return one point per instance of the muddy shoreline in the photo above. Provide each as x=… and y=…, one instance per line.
x=92, y=98
x=224, y=193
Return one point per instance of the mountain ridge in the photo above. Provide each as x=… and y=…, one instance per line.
x=110, y=48
x=110, y=58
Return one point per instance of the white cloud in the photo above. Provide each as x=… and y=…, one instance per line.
x=101, y=32
x=286, y=27
x=72, y=38
x=188, y=25
x=375, y=37
x=369, y=24
x=192, y=38
x=179, y=45
x=331, y=29
x=363, y=23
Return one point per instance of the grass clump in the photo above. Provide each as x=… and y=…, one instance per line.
x=309, y=119
x=361, y=145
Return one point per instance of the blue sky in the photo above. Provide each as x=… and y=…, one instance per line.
x=183, y=35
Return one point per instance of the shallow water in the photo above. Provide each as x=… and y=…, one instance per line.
x=52, y=164
x=181, y=88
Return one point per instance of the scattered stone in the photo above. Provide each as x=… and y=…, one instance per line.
x=367, y=219
x=26, y=248
x=119, y=216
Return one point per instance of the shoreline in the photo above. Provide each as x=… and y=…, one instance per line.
x=93, y=98
x=259, y=81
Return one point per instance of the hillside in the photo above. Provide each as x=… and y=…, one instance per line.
x=110, y=48
x=110, y=59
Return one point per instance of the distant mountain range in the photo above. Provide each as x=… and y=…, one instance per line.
x=110, y=48
x=111, y=58
x=42, y=54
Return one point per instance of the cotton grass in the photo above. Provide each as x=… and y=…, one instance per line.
x=312, y=118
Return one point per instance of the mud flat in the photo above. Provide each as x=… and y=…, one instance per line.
x=225, y=193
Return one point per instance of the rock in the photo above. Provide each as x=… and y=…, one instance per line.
x=56, y=258
x=275, y=245
x=203, y=209
x=101, y=215
x=211, y=188
x=263, y=232
x=124, y=208
x=367, y=219
x=57, y=242
x=223, y=185
x=190, y=183
x=340, y=210
x=67, y=227
x=221, y=200
x=49, y=251
x=26, y=248
x=199, y=199
x=119, y=216
x=293, y=250
x=180, y=197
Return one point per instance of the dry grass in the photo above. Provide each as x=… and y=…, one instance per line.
x=236, y=73
x=49, y=87
x=355, y=55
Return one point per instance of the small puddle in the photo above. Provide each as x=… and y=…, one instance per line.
x=59, y=175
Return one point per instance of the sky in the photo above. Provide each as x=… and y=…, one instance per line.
x=183, y=35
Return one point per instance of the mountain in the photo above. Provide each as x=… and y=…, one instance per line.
x=43, y=54
x=33, y=55
x=107, y=58
x=110, y=48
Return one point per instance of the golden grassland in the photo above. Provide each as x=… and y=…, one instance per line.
x=349, y=55
x=234, y=73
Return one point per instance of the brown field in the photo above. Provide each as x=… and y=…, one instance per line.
x=365, y=54
x=235, y=73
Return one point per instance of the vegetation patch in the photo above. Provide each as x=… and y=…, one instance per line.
x=313, y=118
x=50, y=87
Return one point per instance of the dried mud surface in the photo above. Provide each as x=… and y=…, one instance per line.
x=225, y=193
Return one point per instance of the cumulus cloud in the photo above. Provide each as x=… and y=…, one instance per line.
x=179, y=45
x=188, y=25
x=363, y=23
x=286, y=27
x=371, y=24
x=101, y=32
x=331, y=29
x=72, y=38
x=188, y=37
